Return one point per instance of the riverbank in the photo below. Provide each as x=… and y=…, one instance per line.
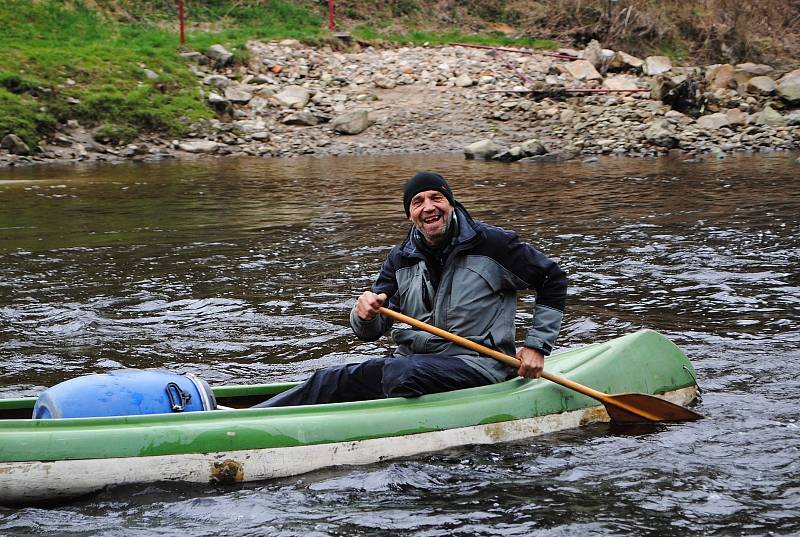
x=292, y=99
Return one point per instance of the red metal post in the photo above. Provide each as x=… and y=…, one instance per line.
x=182, y=18
x=331, y=22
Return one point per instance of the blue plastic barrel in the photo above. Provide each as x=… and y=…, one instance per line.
x=125, y=392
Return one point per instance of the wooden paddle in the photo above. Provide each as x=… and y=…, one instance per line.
x=621, y=407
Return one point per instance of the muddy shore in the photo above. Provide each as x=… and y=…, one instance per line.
x=291, y=100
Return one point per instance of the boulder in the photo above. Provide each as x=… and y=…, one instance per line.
x=305, y=119
x=793, y=119
x=250, y=126
x=754, y=69
x=464, y=81
x=483, y=149
x=737, y=117
x=218, y=81
x=238, y=95
x=722, y=76
x=623, y=60
x=713, y=121
x=353, y=122
x=15, y=145
x=219, y=54
x=532, y=147
x=770, y=117
x=293, y=97
x=383, y=82
x=217, y=99
x=656, y=65
x=661, y=133
x=582, y=70
x=620, y=82
x=593, y=53
x=509, y=155
x=789, y=87
x=761, y=85
x=199, y=146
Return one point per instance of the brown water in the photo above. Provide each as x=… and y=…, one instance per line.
x=244, y=271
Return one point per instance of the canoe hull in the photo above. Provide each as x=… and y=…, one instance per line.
x=47, y=459
x=34, y=481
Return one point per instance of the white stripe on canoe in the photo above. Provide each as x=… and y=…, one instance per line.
x=31, y=481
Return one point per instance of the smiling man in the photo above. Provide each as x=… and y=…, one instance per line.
x=460, y=275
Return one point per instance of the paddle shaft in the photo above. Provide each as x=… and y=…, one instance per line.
x=510, y=360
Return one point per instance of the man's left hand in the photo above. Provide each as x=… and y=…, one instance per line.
x=532, y=362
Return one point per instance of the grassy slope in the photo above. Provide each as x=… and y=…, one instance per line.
x=68, y=60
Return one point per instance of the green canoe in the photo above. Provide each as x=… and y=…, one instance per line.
x=58, y=458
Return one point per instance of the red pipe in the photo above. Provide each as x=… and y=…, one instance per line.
x=182, y=19
x=331, y=22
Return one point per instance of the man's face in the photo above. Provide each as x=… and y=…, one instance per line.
x=431, y=213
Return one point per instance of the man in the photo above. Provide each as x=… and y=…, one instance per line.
x=457, y=274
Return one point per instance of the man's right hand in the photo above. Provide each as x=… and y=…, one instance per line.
x=367, y=305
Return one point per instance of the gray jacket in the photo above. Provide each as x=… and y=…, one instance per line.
x=476, y=296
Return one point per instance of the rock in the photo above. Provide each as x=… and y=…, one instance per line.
x=532, y=147
x=770, y=117
x=761, y=85
x=509, y=155
x=713, y=121
x=623, y=60
x=566, y=117
x=661, y=133
x=529, y=148
x=250, y=126
x=722, y=76
x=193, y=56
x=219, y=81
x=351, y=122
x=464, y=81
x=217, y=99
x=383, y=82
x=656, y=65
x=755, y=69
x=306, y=119
x=15, y=145
x=150, y=74
x=294, y=97
x=593, y=53
x=483, y=149
x=219, y=54
x=238, y=95
x=620, y=82
x=737, y=117
x=199, y=146
x=718, y=152
x=582, y=70
x=789, y=87
x=793, y=119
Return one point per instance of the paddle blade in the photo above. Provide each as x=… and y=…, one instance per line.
x=638, y=407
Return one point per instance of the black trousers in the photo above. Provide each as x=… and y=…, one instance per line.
x=377, y=378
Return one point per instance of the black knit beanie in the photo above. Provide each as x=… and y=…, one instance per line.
x=422, y=182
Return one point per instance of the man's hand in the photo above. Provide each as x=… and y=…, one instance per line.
x=367, y=305
x=532, y=362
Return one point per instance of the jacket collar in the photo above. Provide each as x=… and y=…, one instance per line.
x=468, y=232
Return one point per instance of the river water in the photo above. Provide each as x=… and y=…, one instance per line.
x=244, y=271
